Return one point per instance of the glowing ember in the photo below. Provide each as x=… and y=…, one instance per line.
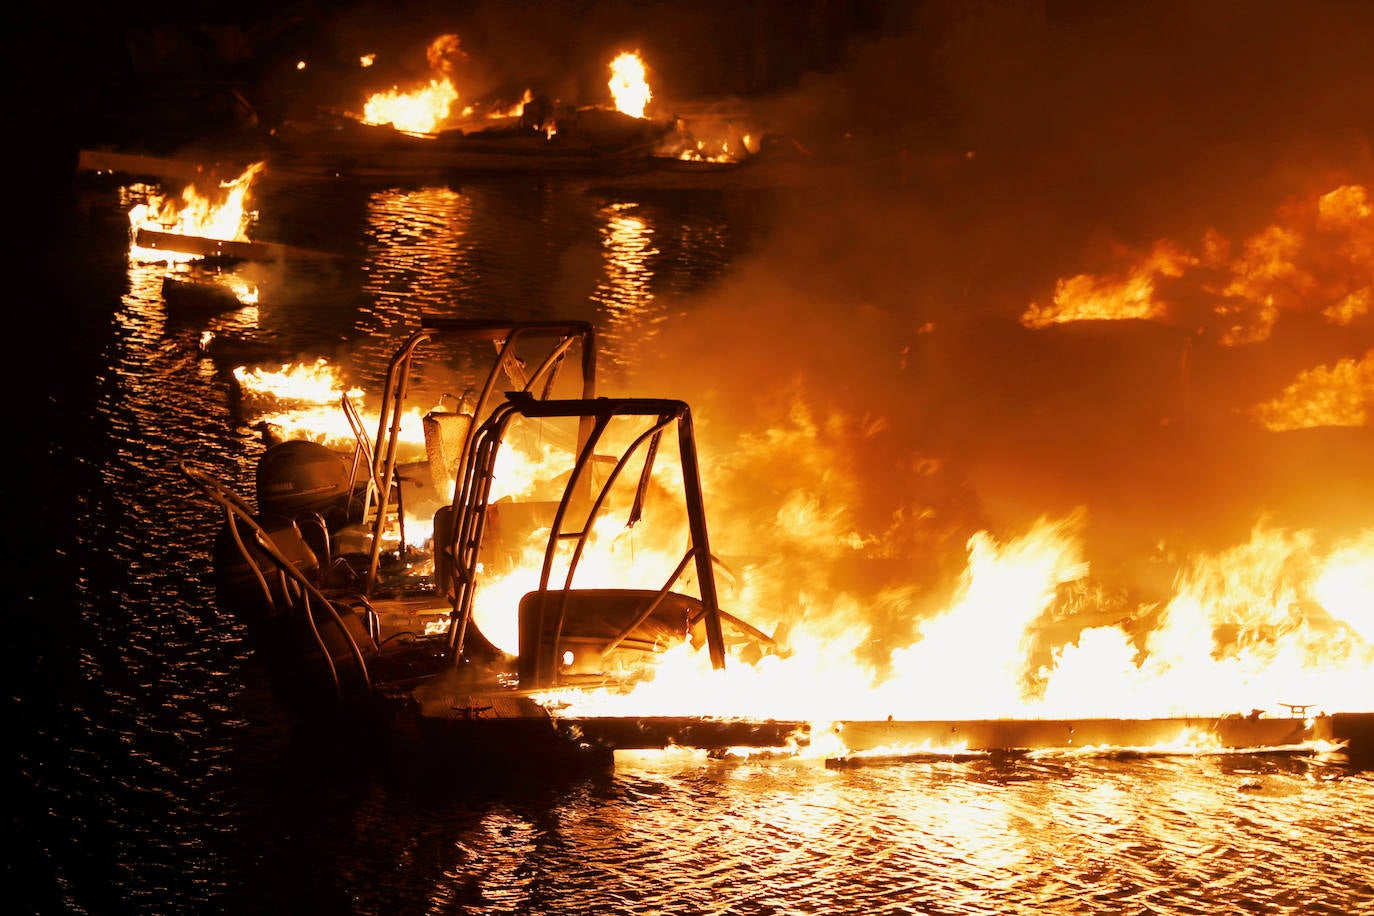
x=222, y=215
x=1339, y=395
x=700, y=153
x=629, y=85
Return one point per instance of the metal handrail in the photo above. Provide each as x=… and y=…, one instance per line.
x=362, y=455
x=504, y=335
x=475, y=489
x=237, y=512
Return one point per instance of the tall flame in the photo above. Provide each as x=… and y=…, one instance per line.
x=424, y=109
x=1274, y=621
x=629, y=84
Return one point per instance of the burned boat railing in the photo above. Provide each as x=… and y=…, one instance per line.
x=594, y=415
x=505, y=336
x=363, y=456
x=292, y=593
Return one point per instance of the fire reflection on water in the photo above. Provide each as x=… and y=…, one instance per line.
x=416, y=239
x=625, y=294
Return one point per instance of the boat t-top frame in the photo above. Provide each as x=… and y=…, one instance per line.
x=505, y=336
x=595, y=415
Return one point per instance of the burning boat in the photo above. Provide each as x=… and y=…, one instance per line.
x=350, y=609
x=590, y=141
x=464, y=585
x=424, y=131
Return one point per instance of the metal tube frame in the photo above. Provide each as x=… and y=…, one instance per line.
x=504, y=335
x=595, y=414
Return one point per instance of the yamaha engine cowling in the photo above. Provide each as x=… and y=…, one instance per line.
x=298, y=477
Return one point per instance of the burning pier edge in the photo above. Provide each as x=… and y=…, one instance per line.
x=516, y=727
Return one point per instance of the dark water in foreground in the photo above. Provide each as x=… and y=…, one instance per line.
x=156, y=776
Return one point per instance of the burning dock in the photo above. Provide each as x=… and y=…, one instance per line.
x=514, y=726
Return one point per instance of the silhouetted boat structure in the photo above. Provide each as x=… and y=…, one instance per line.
x=195, y=293
x=605, y=149
x=338, y=146
x=355, y=622
x=223, y=250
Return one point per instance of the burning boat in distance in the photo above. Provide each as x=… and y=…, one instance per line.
x=491, y=584
x=431, y=130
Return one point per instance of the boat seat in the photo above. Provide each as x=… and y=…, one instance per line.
x=320, y=648
x=580, y=632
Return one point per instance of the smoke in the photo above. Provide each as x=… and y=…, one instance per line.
x=864, y=379
x=972, y=155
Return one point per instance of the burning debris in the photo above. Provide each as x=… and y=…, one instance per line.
x=216, y=217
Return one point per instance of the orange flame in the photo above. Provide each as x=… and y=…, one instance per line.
x=1086, y=297
x=223, y=215
x=629, y=85
x=1316, y=257
x=1273, y=621
x=1339, y=395
x=419, y=111
x=424, y=109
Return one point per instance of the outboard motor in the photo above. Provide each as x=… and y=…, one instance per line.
x=299, y=477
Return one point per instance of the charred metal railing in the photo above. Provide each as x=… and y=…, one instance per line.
x=292, y=592
x=505, y=336
x=595, y=415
